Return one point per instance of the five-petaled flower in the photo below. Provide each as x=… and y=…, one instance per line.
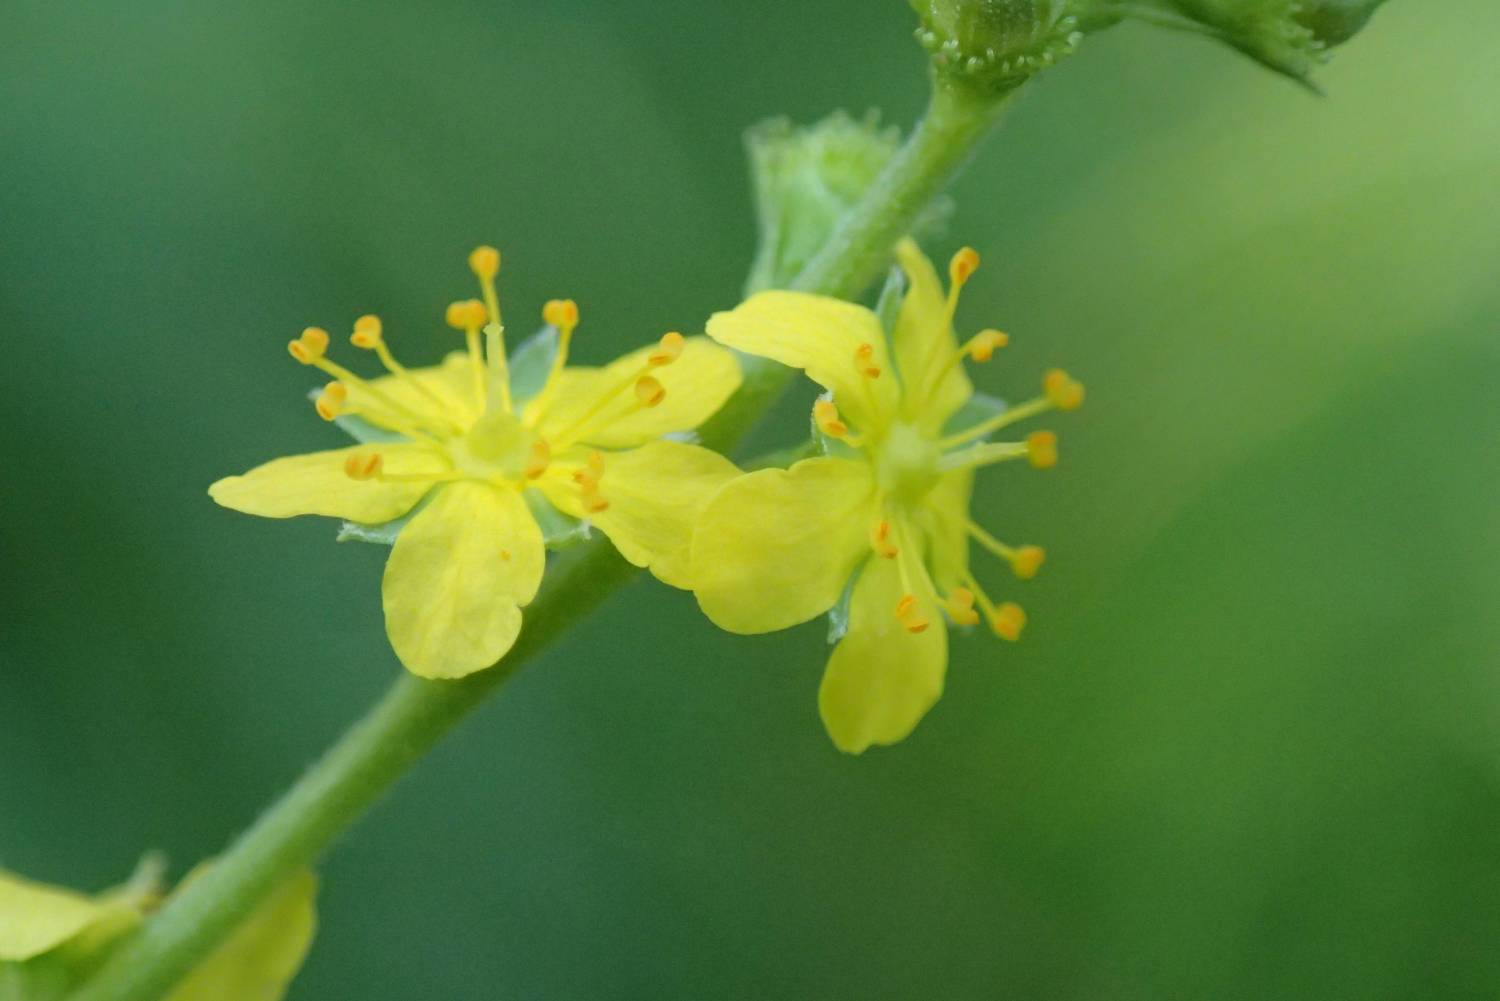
x=887, y=508
x=488, y=460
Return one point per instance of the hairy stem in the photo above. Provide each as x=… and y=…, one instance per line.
x=415, y=714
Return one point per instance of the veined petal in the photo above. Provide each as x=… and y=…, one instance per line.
x=35, y=918
x=599, y=407
x=655, y=494
x=776, y=547
x=944, y=519
x=821, y=336
x=451, y=381
x=258, y=960
x=882, y=679
x=316, y=483
x=924, y=343
x=457, y=579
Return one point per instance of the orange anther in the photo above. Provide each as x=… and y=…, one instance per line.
x=963, y=265
x=909, y=615
x=367, y=331
x=649, y=391
x=1027, y=560
x=330, y=402
x=538, y=458
x=466, y=314
x=485, y=262
x=985, y=343
x=826, y=416
x=1008, y=621
x=1041, y=449
x=561, y=313
x=960, y=607
x=668, y=350
x=880, y=540
x=312, y=345
x=363, y=465
x=1062, y=390
x=864, y=360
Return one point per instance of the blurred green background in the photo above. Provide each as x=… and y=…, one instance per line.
x=1250, y=744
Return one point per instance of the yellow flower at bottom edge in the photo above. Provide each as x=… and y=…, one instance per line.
x=887, y=509
x=50, y=937
x=588, y=445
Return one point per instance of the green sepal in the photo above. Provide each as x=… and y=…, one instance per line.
x=530, y=363
x=996, y=45
x=559, y=531
x=977, y=409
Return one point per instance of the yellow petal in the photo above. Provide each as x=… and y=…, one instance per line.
x=451, y=383
x=575, y=408
x=924, y=342
x=881, y=679
x=35, y=918
x=317, y=484
x=776, y=547
x=655, y=495
x=944, y=519
x=820, y=336
x=457, y=579
x=258, y=960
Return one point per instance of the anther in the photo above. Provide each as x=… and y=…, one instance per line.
x=363, y=465
x=1041, y=449
x=960, y=607
x=311, y=346
x=668, y=350
x=826, y=417
x=466, y=314
x=330, y=402
x=1025, y=561
x=909, y=615
x=983, y=345
x=593, y=503
x=1062, y=390
x=864, y=358
x=538, y=458
x=1008, y=621
x=880, y=540
x=367, y=331
x=963, y=265
x=561, y=313
x=649, y=391
x=485, y=262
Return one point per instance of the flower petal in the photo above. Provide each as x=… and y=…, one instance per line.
x=317, y=484
x=599, y=405
x=775, y=547
x=258, y=960
x=881, y=679
x=820, y=336
x=924, y=342
x=451, y=381
x=944, y=520
x=35, y=918
x=655, y=494
x=457, y=578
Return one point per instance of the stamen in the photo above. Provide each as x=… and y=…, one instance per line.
x=668, y=350
x=1008, y=620
x=826, y=417
x=983, y=345
x=649, y=391
x=588, y=478
x=485, y=263
x=864, y=356
x=311, y=346
x=332, y=400
x=1041, y=449
x=960, y=607
x=1024, y=561
x=960, y=269
x=909, y=615
x=880, y=540
x=1064, y=392
x=563, y=315
x=369, y=334
x=363, y=465
x=468, y=315
x=986, y=454
x=538, y=458
x=1013, y=415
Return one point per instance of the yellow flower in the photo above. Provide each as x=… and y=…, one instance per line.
x=887, y=506
x=49, y=936
x=496, y=460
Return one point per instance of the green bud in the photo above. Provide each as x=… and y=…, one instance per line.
x=805, y=179
x=996, y=44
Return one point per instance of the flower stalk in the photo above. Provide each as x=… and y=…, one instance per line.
x=415, y=713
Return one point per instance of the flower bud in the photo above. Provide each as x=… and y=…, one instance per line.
x=996, y=44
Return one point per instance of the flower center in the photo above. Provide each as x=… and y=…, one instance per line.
x=906, y=463
x=498, y=445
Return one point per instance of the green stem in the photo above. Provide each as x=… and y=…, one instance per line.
x=415, y=714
